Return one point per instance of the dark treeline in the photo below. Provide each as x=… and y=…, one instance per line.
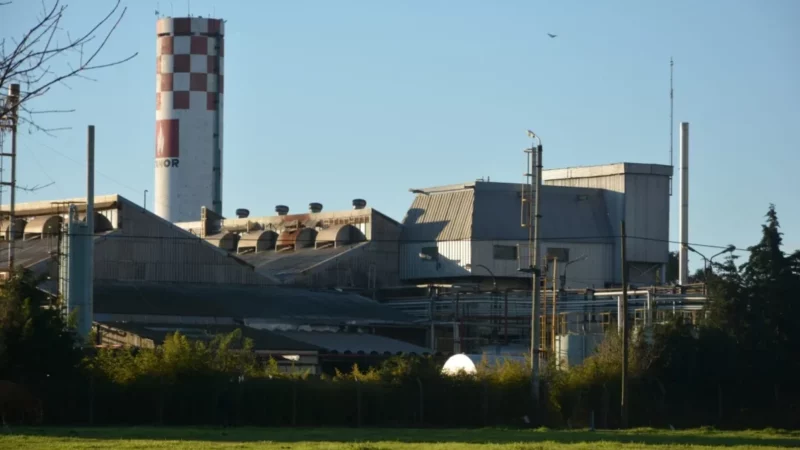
x=737, y=368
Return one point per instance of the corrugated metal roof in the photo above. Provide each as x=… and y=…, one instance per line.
x=444, y=216
x=294, y=306
x=30, y=252
x=491, y=211
x=290, y=263
x=263, y=340
x=355, y=343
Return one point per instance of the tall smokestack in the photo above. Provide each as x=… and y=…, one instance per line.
x=683, y=213
x=189, y=88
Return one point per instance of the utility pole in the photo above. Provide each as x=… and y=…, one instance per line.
x=624, y=318
x=13, y=107
x=553, y=325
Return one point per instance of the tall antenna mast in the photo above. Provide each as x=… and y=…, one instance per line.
x=671, y=123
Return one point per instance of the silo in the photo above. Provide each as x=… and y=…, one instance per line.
x=189, y=88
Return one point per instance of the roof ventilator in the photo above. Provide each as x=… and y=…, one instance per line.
x=359, y=203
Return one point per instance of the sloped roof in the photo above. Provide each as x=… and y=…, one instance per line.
x=354, y=342
x=280, y=265
x=263, y=340
x=296, y=306
x=491, y=211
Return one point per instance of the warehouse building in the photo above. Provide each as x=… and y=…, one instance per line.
x=148, y=271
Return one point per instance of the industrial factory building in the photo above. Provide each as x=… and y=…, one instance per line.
x=476, y=228
x=151, y=275
x=353, y=248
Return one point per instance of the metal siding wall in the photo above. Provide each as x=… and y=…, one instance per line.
x=146, y=248
x=453, y=255
x=647, y=216
x=594, y=271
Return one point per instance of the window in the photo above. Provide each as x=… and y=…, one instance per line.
x=505, y=252
x=429, y=253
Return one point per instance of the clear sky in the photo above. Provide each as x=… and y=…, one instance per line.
x=328, y=101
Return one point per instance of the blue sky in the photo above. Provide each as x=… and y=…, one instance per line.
x=329, y=101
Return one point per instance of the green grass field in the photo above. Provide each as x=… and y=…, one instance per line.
x=373, y=439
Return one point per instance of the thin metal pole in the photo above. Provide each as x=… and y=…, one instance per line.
x=88, y=314
x=144, y=204
x=553, y=319
x=536, y=309
x=671, y=123
x=624, y=318
x=13, y=97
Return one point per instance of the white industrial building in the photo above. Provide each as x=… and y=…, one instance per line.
x=475, y=229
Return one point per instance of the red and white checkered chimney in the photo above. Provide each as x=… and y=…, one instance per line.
x=189, y=87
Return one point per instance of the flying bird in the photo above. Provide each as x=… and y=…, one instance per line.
x=552, y=35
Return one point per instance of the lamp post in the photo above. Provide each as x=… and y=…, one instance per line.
x=708, y=263
x=563, y=278
x=729, y=249
x=494, y=280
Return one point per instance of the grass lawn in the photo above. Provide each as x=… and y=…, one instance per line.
x=373, y=439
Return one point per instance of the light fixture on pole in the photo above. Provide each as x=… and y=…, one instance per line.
x=494, y=280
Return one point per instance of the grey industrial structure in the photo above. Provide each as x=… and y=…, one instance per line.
x=448, y=276
x=151, y=276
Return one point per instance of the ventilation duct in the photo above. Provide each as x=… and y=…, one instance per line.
x=19, y=228
x=294, y=239
x=282, y=210
x=359, y=203
x=101, y=222
x=338, y=235
x=225, y=240
x=257, y=241
x=315, y=207
x=44, y=226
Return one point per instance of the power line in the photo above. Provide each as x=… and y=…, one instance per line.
x=562, y=239
x=83, y=164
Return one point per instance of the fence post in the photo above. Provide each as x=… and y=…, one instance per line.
x=294, y=403
x=485, y=403
x=91, y=399
x=421, y=403
x=161, y=401
x=358, y=403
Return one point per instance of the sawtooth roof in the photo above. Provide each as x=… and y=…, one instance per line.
x=491, y=211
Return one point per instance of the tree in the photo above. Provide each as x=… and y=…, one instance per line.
x=35, y=341
x=46, y=55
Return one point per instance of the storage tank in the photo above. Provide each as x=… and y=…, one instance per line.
x=470, y=363
x=189, y=88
